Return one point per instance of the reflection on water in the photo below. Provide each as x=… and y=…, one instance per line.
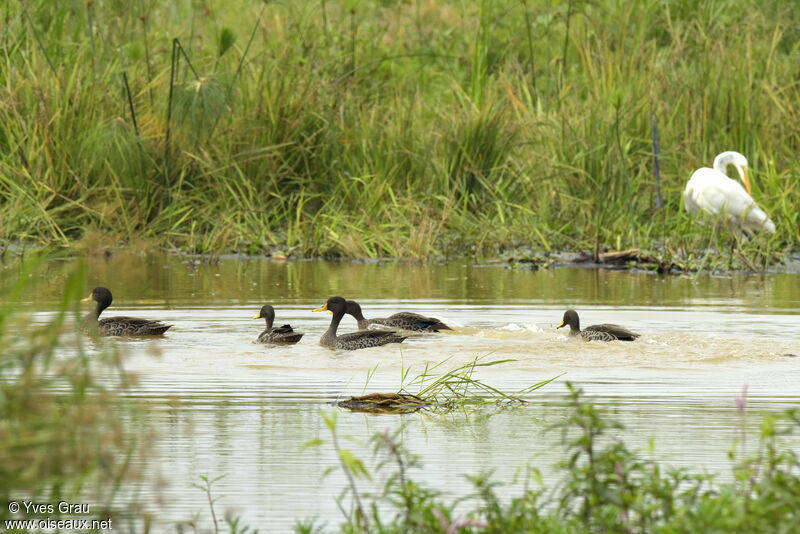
x=224, y=405
x=168, y=281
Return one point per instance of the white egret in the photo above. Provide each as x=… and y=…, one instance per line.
x=710, y=193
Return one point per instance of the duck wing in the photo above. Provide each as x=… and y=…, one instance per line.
x=280, y=334
x=412, y=321
x=608, y=332
x=285, y=329
x=367, y=338
x=131, y=326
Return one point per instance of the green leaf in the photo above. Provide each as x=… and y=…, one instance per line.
x=352, y=463
x=312, y=443
x=225, y=41
x=327, y=471
x=330, y=420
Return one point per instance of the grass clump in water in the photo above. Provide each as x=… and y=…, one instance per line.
x=454, y=389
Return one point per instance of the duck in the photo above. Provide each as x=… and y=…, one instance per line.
x=402, y=320
x=120, y=326
x=598, y=332
x=279, y=334
x=353, y=340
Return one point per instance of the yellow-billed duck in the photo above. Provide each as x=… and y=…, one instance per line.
x=354, y=340
x=279, y=334
x=598, y=332
x=120, y=326
x=403, y=320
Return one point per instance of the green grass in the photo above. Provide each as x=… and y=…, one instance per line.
x=442, y=392
x=373, y=129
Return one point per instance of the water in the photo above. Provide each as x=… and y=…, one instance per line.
x=222, y=405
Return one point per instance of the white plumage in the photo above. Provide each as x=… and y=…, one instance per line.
x=711, y=194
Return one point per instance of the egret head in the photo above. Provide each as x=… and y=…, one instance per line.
x=724, y=159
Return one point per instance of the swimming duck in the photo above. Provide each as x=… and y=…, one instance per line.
x=403, y=320
x=279, y=334
x=354, y=340
x=598, y=332
x=121, y=326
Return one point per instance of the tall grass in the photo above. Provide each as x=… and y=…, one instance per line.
x=371, y=129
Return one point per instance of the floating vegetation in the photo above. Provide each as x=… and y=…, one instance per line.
x=386, y=403
x=441, y=393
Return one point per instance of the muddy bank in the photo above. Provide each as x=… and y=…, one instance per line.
x=634, y=259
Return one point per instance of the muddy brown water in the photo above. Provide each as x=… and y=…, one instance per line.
x=224, y=406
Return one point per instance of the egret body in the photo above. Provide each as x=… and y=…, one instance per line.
x=710, y=193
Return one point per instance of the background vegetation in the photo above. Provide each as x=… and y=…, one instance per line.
x=373, y=128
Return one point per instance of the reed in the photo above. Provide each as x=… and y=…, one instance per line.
x=459, y=387
x=499, y=125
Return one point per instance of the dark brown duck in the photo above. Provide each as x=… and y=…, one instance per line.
x=354, y=340
x=283, y=335
x=403, y=320
x=120, y=326
x=598, y=332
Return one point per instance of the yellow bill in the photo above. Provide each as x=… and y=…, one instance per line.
x=746, y=180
